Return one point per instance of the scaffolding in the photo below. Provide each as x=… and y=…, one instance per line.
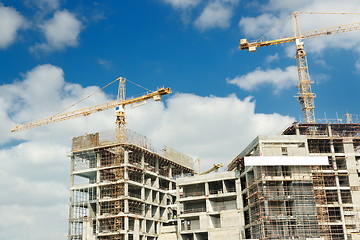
x=286, y=202
x=324, y=129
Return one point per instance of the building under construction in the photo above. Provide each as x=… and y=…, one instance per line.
x=122, y=190
x=290, y=192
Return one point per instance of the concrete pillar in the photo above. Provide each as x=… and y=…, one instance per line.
x=143, y=193
x=157, y=165
x=170, y=172
x=143, y=161
x=126, y=157
x=207, y=190
x=126, y=189
x=329, y=130
x=136, y=229
x=239, y=202
x=297, y=131
x=126, y=227
x=126, y=206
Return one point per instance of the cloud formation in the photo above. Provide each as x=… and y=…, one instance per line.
x=279, y=79
x=47, y=4
x=61, y=31
x=35, y=164
x=215, y=15
x=214, y=129
x=182, y=4
x=11, y=21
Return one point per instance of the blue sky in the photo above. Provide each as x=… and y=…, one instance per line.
x=55, y=52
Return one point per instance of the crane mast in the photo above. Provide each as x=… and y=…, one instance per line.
x=305, y=94
x=120, y=112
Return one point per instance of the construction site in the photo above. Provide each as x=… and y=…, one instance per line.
x=301, y=184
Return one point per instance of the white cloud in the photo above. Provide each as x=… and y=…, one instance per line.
x=272, y=58
x=279, y=79
x=215, y=15
x=182, y=4
x=275, y=22
x=23, y=100
x=61, y=31
x=10, y=23
x=33, y=222
x=47, y=4
x=256, y=27
x=105, y=63
x=357, y=65
x=35, y=171
x=215, y=129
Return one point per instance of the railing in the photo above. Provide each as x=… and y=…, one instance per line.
x=193, y=194
x=216, y=191
x=195, y=210
x=191, y=226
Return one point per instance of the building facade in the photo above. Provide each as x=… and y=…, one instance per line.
x=209, y=207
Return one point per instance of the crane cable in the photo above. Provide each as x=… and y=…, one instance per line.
x=81, y=100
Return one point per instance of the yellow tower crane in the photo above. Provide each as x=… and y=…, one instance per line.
x=305, y=95
x=213, y=168
x=118, y=104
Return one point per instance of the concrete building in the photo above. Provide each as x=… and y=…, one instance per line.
x=290, y=193
x=209, y=207
x=122, y=190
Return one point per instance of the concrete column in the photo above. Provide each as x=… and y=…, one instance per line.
x=143, y=193
x=170, y=171
x=126, y=227
x=207, y=191
x=224, y=187
x=156, y=184
x=157, y=165
x=126, y=206
x=297, y=131
x=143, y=161
x=126, y=189
x=136, y=229
x=126, y=157
x=126, y=173
x=329, y=130
x=238, y=189
x=72, y=166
